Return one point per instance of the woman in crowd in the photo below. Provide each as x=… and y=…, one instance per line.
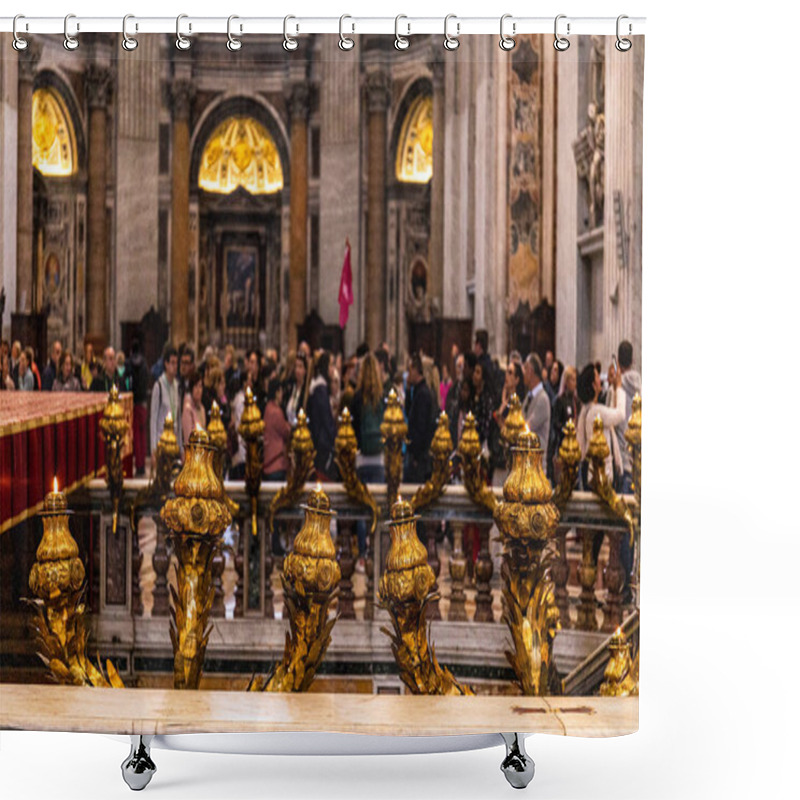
x=193, y=411
x=367, y=418
x=66, y=381
x=444, y=386
x=277, y=432
x=298, y=389
x=26, y=381
x=320, y=417
x=6, y=381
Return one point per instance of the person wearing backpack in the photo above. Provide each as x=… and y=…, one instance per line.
x=367, y=418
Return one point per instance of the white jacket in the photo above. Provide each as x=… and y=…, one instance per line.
x=612, y=416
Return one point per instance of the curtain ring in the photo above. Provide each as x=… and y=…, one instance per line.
x=507, y=42
x=451, y=42
x=181, y=42
x=623, y=45
x=19, y=43
x=401, y=42
x=289, y=44
x=128, y=42
x=70, y=42
x=345, y=43
x=560, y=43
x=233, y=44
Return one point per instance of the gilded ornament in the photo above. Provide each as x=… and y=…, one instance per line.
x=473, y=467
x=569, y=453
x=310, y=581
x=165, y=464
x=345, y=448
x=114, y=426
x=441, y=450
x=251, y=429
x=527, y=519
x=393, y=431
x=219, y=439
x=621, y=673
x=405, y=590
x=633, y=436
x=301, y=464
x=514, y=422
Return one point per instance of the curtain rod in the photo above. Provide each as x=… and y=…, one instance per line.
x=407, y=26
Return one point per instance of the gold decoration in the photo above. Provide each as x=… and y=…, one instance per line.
x=218, y=437
x=57, y=578
x=197, y=516
x=569, y=453
x=527, y=519
x=165, y=462
x=114, y=427
x=301, y=464
x=53, y=134
x=441, y=449
x=405, y=591
x=621, y=674
x=345, y=447
x=414, y=162
x=240, y=152
x=597, y=453
x=472, y=466
x=514, y=422
x=251, y=429
x=633, y=436
x=393, y=431
x=310, y=581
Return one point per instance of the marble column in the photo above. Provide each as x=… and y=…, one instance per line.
x=182, y=96
x=298, y=210
x=98, y=84
x=436, y=247
x=28, y=59
x=375, y=284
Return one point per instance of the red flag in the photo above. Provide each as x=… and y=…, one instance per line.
x=345, y=288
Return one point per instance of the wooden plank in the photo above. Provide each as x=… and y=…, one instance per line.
x=162, y=711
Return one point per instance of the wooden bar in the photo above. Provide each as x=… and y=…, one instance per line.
x=164, y=711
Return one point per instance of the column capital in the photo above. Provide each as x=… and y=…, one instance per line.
x=98, y=82
x=299, y=101
x=29, y=60
x=182, y=92
x=378, y=88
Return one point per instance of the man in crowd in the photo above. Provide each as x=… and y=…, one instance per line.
x=140, y=382
x=165, y=399
x=420, y=412
x=109, y=376
x=536, y=407
x=186, y=362
x=630, y=385
x=481, y=350
x=51, y=370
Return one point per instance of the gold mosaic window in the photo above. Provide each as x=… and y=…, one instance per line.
x=53, y=135
x=415, y=151
x=241, y=152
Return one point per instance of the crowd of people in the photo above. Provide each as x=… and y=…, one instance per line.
x=323, y=384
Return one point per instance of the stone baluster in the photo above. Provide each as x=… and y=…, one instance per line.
x=238, y=563
x=431, y=528
x=161, y=561
x=587, y=575
x=483, y=576
x=347, y=565
x=560, y=574
x=458, y=570
x=217, y=569
x=613, y=580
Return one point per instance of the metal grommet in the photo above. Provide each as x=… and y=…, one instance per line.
x=19, y=43
x=345, y=43
x=451, y=42
x=623, y=45
x=181, y=42
x=70, y=42
x=289, y=44
x=560, y=43
x=507, y=42
x=128, y=42
x=401, y=42
x=233, y=44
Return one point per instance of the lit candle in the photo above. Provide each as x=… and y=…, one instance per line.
x=55, y=501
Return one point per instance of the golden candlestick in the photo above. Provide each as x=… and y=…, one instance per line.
x=310, y=581
x=393, y=431
x=527, y=519
x=441, y=449
x=514, y=423
x=404, y=591
x=472, y=466
x=114, y=427
x=345, y=448
x=57, y=578
x=197, y=517
x=160, y=485
x=218, y=437
x=569, y=453
x=633, y=436
x=597, y=454
x=301, y=464
x=251, y=429
x=621, y=674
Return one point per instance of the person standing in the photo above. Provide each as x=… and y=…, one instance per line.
x=320, y=417
x=536, y=407
x=66, y=380
x=109, y=376
x=25, y=381
x=193, y=413
x=419, y=407
x=140, y=383
x=630, y=386
x=51, y=370
x=165, y=398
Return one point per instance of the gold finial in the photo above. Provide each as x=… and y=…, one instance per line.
x=514, y=422
x=619, y=673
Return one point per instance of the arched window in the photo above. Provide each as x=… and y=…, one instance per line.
x=53, y=134
x=240, y=152
x=415, y=149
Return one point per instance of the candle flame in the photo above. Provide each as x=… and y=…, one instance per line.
x=198, y=427
x=318, y=487
x=55, y=485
